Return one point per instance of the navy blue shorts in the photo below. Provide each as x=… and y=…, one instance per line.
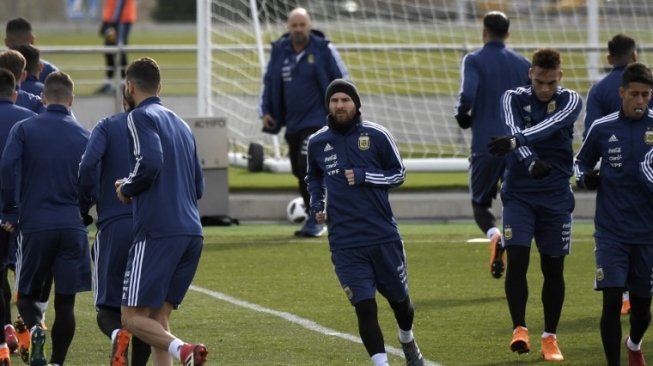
x=624, y=265
x=64, y=253
x=363, y=270
x=160, y=270
x=485, y=172
x=545, y=216
x=110, y=252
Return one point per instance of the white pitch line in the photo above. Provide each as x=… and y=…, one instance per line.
x=306, y=323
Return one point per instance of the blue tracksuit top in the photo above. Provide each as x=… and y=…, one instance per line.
x=485, y=75
x=105, y=160
x=357, y=215
x=166, y=179
x=603, y=97
x=11, y=114
x=32, y=85
x=294, y=84
x=48, y=68
x=624, y=199
x=29, y=101
x=43, y=154
x=545, y=131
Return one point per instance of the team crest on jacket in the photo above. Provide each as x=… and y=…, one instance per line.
x=551, y=107
x=311, y=58
x=363, y=142
x=507, y=233
x=648, y=137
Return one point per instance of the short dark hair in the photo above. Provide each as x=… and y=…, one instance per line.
x=546, y=58
x=18, y=31
x=32, y=57
x=621, y=46
x=58, y=87
x=496, y=23
x=636, y=72
x=14, y=61
x=145, y=73
x=7, y=83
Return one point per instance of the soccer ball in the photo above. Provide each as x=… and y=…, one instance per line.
x=296, y=211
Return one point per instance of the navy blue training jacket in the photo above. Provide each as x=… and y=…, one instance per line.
x=357, y=215
x=485, y=75
x=624, y=199
x=294, y=84
x=545, y=131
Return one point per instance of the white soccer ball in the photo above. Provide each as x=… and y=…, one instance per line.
x=296, y=211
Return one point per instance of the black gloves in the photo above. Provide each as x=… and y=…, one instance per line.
x=464, y=120
x=590, y=180
x=539, y=169
x=87, y=219
x=501, y=145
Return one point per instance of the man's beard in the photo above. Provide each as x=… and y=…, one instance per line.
x=130, y=103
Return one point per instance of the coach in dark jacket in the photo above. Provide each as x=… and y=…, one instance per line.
x=302, y=64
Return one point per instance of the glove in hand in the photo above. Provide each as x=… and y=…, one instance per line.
x=539, y=169
x=464, y=121
x=591, y=180
x=501, y=145
x=87, y=219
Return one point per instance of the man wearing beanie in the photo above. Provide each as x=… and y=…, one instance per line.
x=302, y=63
x=351, y=166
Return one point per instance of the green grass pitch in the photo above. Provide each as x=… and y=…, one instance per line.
x=461, y=311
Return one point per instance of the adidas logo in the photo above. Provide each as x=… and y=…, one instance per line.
x=328, y=147
x=613, y=138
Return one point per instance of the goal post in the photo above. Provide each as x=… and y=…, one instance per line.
x=404, y=56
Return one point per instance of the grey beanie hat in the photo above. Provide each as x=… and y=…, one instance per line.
x=342, y=86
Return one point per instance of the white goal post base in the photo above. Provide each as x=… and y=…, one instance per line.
x=412, y=165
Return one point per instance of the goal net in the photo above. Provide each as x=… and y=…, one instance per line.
x=404, y=56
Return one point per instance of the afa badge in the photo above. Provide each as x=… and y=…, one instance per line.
x=599, y=274
x=507, y=233
x=310, y=59
x=551, y=107
x=363, y=142
x=348, y=292
x=648, y=137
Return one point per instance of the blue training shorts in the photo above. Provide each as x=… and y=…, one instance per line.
x=363, y=270
x=624, y=265
x=110, y=252
x=485, y=172
x=64, y=253
x=160, y=270
x=545, y=216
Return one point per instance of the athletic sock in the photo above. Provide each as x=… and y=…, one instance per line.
x=490, y=233
x=405, y=336
x=380, y=359
x=175, y=348
x=632, y=346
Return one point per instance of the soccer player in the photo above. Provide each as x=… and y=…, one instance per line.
x=354, y=163
x=19, y=31
x=603, y=97
x=15, y=62
x=167, y=229
x=622, y=141
x=302, y=64
x=105, y=159
x=11, y=114
x=536, y=195
x=33, y=68
x=486, y=74
x=43, y=155
x=117, y=19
